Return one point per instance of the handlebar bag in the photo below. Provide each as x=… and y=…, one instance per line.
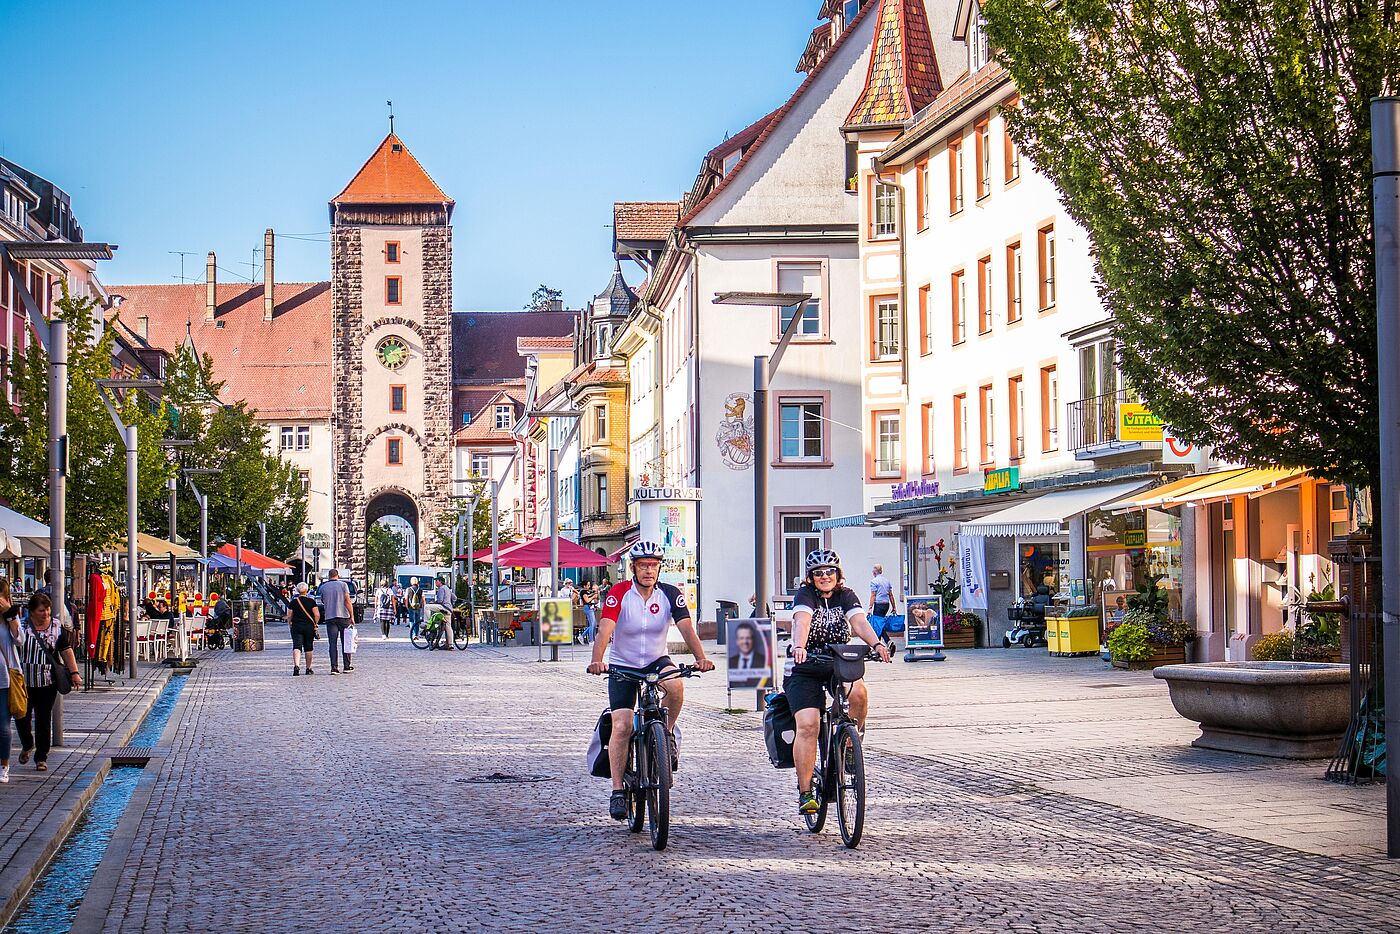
x=779, y=730
x=597, y=757
x=849, y=661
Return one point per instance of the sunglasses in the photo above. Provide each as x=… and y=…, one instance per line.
x=825, y=572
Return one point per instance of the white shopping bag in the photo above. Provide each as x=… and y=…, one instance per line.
x=351, y=641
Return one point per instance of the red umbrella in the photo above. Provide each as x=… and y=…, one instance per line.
x=536, y=555
x=485, y=553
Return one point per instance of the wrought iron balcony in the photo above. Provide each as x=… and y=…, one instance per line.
x=1093, y=427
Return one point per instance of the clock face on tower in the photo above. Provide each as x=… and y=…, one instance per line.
x=392, y=353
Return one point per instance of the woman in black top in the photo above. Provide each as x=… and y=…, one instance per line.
x=38, y=642
x=305, y=616
x=825, y=612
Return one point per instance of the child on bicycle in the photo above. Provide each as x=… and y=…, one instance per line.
x=825, y=612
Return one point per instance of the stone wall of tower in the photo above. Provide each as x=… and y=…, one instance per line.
x=436, y=496
x=347, y=411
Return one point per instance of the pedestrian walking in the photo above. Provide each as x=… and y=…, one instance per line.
x=400, y=608
x=304, y=618
x=338, y=613
x=9, y=667
x=413, y=599
x=882, y=602
x=384, y=603
x=588, y=599
x=41, y=641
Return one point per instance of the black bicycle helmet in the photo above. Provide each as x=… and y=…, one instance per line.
x=645, y=549
x=823, y=558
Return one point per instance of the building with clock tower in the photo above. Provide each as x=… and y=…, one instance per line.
x=391, y=348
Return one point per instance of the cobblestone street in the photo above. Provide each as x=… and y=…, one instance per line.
x=345, y=803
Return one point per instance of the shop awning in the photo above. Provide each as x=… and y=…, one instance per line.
x=32, y=535
x=1046, y=515
x=254, y=564
x=1215, y=486
x=840, y=522
x=153, y=548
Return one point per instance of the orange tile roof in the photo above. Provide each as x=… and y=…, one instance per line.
x=959, y=96
x=644, y=220
x=778, y=115
x=392, y=176
x=903, y=77
x=281, y=368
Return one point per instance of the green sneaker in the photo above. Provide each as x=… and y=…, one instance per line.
x=807, y=803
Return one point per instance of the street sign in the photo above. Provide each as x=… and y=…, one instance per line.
x=318, y=540
x=557, y=620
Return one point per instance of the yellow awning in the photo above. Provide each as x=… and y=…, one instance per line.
x=154, y=548
x=1214, y=487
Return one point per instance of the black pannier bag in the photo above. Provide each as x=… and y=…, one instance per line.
x=779, y=730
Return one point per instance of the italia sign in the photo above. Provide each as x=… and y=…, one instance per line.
x=1001, y=480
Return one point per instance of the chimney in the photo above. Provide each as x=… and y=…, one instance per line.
x=268, y=277
x=143, y=327
x=210, y=301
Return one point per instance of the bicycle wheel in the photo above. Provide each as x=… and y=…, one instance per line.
x=636, y=803
x=420, y=638
x=850, y=792
x=658, y=781
x=461, y=637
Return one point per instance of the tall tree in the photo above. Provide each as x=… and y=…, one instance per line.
x=1219, y=156
x=543, y=297
x=384, y=549
x=287, y=517
x=96, y=491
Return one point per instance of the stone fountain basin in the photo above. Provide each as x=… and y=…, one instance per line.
x=1290, y=710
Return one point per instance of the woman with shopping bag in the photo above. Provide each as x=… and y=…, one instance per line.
x=16, y=701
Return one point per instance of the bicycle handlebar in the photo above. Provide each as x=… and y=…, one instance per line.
x=872, y=653
x=631, y=674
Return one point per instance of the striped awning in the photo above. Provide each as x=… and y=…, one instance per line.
x=1214, y=487
x=1046, y=515
x=840, y=522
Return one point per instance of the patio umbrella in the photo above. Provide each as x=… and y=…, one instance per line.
x=535, y=554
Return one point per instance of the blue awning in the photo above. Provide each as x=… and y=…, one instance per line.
x=840, y=522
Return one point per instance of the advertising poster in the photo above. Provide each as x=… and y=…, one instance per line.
x=923, y=621
x=670, y=516
x=750, y=646
x=972, y=571
x=557, y=620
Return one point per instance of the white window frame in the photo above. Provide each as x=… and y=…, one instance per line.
x=600, y=423
x=811, y=326
x=889, y=447
x=805, y=421
x=807, y=540
x=503, y=414
x=480, y=465
x=884, y=213
x=287, y=438
x=885, y=319
x=303, y=438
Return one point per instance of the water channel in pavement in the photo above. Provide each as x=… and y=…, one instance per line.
x=53, y=902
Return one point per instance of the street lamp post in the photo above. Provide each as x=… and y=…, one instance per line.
x=764, y=367
x=552, y=482
x=203, y=501
x=105, y=387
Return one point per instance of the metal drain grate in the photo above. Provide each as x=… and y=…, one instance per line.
x=501, y=778
x=135, y=755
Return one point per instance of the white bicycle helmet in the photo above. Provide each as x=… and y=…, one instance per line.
x=823, y=558
x=645, y=549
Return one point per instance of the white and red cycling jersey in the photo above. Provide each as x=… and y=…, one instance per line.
x=639, y=637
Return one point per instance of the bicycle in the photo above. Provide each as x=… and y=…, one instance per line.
x=840, y=770
x=433, y=631
x=647, y=778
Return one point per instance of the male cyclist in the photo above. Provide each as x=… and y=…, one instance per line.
x=637, y=614
x=825, y=612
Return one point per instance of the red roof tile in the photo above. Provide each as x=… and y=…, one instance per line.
x=483, y=342
x=281, y=368
x=392, y=176
x=959, y=96
x=903, y=76
x=526, y=345
x=778, y=115
x=644, y=220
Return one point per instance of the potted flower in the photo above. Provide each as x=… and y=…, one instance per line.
x=1148, y=636
x=961, y=630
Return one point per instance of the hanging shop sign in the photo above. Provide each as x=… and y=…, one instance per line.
x=1001, y=480
x=1177, y=451
x=914, y=489
x=1137, y=423
x=663, y=493
x=1135, y=538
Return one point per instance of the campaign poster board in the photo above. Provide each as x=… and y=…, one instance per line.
x=557, y=620
x=749, y=647
x=669, y=516
x=923, y=622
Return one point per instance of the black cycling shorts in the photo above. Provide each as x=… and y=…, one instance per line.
x=622, y=693
x=806, y=686
x=303, y=636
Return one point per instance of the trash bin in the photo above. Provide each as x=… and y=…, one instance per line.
x=727, y=610
x=247, y=626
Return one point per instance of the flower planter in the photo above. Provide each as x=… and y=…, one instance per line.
x=1161, y=655
x=960, y=639
x=1291, y=710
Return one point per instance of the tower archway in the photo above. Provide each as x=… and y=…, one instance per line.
x=397, y=511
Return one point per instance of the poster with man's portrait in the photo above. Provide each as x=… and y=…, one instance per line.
x=750, y=645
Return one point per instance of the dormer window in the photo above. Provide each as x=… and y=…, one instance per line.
x=730, y=161
x=602, y=338
x=503, y=417
x=979, y=50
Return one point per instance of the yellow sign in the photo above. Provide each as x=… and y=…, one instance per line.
x=1135, y=538
x=1136, y=423
x=557, y=620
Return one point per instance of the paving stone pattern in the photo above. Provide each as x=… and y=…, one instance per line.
x=335, y=804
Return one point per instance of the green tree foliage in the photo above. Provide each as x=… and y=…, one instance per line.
x=441, y=535
x=1219, y=156
x=96, y=491
x=384, y=549
x=542, y=297
x=287, y=517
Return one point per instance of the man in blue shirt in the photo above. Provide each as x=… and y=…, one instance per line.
x=337, y=611
x=881, y=593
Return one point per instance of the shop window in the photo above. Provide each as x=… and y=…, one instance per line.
x=393, y=290
x=1042, y=564
x=393, y=455
x=398, y=401
x=798, y=539
x=959, y=306
x=960, y=433
x=1049, y=409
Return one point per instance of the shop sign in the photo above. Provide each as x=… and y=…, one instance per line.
x=913, y=489
x=1001, y=480
x=1137, y=423
x=666, y=492
x=1177, y=451
x=1135, y=538
x=318, y=540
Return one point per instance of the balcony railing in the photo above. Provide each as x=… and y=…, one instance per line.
x=1093, y=422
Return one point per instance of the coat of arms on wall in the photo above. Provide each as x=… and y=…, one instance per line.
x=735, y=435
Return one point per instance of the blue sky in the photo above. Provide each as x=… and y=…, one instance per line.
x=192, y=127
